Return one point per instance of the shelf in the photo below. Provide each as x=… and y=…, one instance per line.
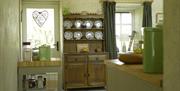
x=84, y=40
x=39, y=63
x=92, y=16
x=36, y=89
x=86, y=53
x=82, y=29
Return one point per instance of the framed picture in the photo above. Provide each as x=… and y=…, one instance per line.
x=82, y=47
x=159, y=17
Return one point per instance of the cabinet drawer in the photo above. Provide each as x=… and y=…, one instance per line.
x=75, y=59
x=97, y=57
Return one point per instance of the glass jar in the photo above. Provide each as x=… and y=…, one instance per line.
x=40, y=82
x=27, y=51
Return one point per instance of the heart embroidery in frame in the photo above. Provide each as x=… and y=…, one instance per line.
x=40, y=17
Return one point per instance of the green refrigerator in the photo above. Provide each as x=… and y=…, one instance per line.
x=153, y=50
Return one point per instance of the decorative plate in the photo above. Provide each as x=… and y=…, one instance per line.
x=78, y=23
x=98, y=24
x=78, y=35
x=89, y=35
x=67, y=24
x=68, y=35
x=88, y=24
x=99, y=35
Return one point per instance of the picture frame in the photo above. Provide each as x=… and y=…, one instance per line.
x=82, y=47
x=159, y=17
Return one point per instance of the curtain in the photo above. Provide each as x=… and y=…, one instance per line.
x=109, y=25
x=147, y=15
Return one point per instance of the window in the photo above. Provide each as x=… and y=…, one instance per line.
x=123, y=29
x=40, y=25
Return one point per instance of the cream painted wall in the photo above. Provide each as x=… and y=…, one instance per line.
x=138, y=14
x=77, y=6
x=9, y=44
x=171, y=45
x=157, y=7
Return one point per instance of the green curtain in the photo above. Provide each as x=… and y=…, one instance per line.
x=147, y=14
x=109, y=25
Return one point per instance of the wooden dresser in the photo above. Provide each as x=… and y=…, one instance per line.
x=84, y=51
x=84, y=70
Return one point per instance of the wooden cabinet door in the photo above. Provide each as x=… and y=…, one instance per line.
x=75, y=71
x=96, y=70
x=75, y=75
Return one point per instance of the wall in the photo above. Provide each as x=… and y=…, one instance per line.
x=9, y=44
x=171, y=45
x=157, y=7
x=138, y=14
x=76, y=6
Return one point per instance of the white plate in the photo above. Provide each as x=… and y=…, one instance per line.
x=89, y=35
x=68, y=35
x=78, y=35
x=67, y=24
x=88, y=24
x=98, y=24
x=99, y=35
x=78, y=23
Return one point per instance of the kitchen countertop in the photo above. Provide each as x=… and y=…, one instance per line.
x=39, y=63
x=137, y=71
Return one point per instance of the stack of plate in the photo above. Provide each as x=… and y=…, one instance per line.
x=68, y=35
x=78, y=23
x=89, y=35
x=98, y=24
x=99, y=35
x=68, y=24
x=78, y=35
x=88, y=24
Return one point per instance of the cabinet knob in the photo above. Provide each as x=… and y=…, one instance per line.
x=97, y=58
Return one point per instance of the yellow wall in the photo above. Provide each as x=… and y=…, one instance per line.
x=77, y=6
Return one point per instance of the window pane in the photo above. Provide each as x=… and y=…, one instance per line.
x=117, y=18
x=126, y=18
x=118, y=44
x=123, y=29
x=126, y=29
x=40, y=26
x=118, y=29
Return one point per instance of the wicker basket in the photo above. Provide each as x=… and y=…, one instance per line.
x=131, y=58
